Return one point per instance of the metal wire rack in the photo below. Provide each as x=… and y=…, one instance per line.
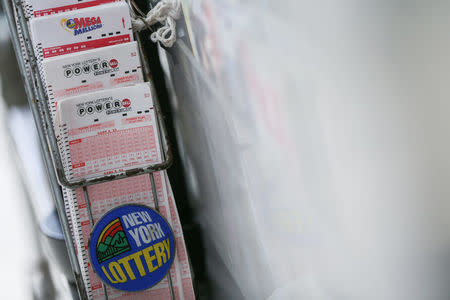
x=37, y=100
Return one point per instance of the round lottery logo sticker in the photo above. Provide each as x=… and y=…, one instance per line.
x=113, y=63
x=70, y=23
x=126, y=102
x=132, y=248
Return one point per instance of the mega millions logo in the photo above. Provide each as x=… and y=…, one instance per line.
x=78, y=26
x=132, y=248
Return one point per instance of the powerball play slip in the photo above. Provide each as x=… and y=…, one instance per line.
x=79, y=73
x=107, y=132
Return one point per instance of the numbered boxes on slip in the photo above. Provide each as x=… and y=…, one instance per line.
x=81, y=30
x=92, y=70
x=39, y=8
x=107, y=132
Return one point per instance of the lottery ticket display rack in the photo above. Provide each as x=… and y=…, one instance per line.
x=34, y=88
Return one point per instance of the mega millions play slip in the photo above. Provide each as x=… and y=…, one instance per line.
x=79, y=73
x=39, y=8
x=107, y=132
x=81, y=30
x=124, y=271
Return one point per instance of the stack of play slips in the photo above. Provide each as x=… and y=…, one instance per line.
x=134, y=190
x=105, y=123
x=107, y=132
x=81, y=30
x=92, y=70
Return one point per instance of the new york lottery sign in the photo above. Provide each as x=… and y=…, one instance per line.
x=132, y=248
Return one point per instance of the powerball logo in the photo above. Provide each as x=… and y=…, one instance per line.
x=81, y=25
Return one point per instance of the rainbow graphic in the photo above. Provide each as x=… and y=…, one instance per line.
x=112, y=241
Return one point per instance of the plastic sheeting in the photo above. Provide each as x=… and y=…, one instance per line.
x=314, y=140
